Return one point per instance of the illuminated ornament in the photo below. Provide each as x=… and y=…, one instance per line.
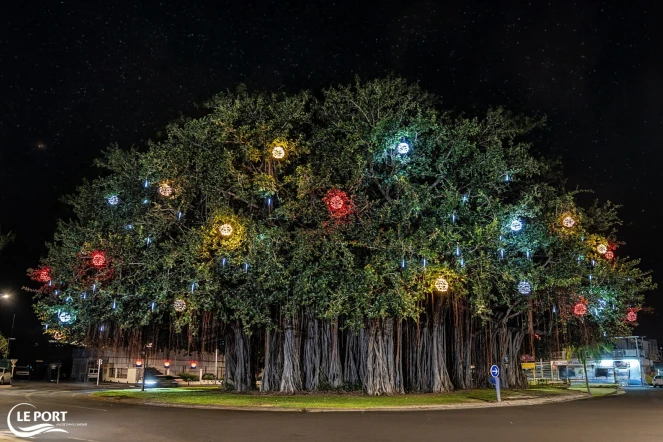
x=44, y=275
x=568, y=222
x=602, y=249
x=524, y=287
x=193, y=364
x=631, y=315
x=516, y=225
x=153, y=305
x=166, y=364
x=278, y=152
x=98, y=259
x=609, y=254
x=507, y=178
x=441, y=284
x=179, y=305
x=64, y=317
x=226, y=230
x=165, y=190
x=580, y=309
x=146, y=183
x=338, y=203
x=113, y=200
x=139, y=363
x=403, y=148
x=58, y=336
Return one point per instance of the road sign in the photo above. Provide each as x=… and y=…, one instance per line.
x=494, y=371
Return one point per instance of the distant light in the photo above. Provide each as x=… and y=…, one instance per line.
x=146, y=184
x=193, y=364
x=113, y=200
x=152, y=306
x=501, y=253
x=457, y=250
x=146, y=201
x=424, y=262
x=166, y=364
x=278, y=152
x=507, y=178
x=114, y=305
x=524, y=287
x=179, y=215
x=403, y=148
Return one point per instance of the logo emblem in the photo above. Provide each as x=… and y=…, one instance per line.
x=28, y=416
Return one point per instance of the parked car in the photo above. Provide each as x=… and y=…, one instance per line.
x=160, y=381
x=658, y=381
x=21, y=373
x=5, y=376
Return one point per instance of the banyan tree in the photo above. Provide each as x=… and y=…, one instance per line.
x=359, y=239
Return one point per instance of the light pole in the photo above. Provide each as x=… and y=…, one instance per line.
x=11, y=334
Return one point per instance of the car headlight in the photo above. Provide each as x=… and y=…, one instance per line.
x=150, y=382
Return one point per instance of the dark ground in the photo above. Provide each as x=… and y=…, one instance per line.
x=635, y=415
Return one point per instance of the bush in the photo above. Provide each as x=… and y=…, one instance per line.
x=209, y=377
x=189, y=377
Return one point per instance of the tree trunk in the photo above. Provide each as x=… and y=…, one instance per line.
x=291, y=381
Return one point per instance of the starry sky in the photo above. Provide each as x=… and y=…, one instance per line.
x=76, y=77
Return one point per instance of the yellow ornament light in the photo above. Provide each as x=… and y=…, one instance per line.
x=278, y=152
x=165, y=190
x=441, y=284
x=602, y=249
x=226, y=230
x=568, y=222
x=179, y=305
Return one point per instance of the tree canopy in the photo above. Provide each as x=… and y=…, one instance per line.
x=360, y=217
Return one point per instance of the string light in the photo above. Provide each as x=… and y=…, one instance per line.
x=153, y=305
x=179, y=305
x=441, y=284
x=226, y=230
x=146, y=184
x=278, y=152
x=524, y=287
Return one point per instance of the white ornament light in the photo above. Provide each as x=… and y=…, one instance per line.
x=602, y=249
x=226, y=230
x=516, y=225
x=568, y=222
x=179, y=305
x=64, y=317
x=403, y=148
x=524, y=287
x=113, y=200
x=441, y=284
x=278, y=152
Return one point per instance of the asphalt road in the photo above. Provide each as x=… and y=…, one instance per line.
x=636, y=415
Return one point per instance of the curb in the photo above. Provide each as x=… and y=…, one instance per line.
x=517, y=403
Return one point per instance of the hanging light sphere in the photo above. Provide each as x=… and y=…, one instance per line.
x=568, y=222
x=580, y=309
x=441, y=284
x=113, y=200
x=516, y=225
x=631, y=316
x=179, y=305
x=609, y=254
x=44, y=275
x=403, y=148
x=64, y=317
x=336, y=202
x=602, y=249
x=278, y=152
x=98, y=259
x=165, y=190
x=226, y=230
x=524, y=287
x=58, y=336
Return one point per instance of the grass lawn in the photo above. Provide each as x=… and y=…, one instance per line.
x=215, y=396
x=596, y=391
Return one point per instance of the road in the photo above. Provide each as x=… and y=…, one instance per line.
x=635, y=415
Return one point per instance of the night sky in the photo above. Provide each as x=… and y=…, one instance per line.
x=75, y=78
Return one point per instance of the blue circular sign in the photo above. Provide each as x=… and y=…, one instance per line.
x=494, y=371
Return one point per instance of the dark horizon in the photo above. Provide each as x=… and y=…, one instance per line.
x=78, y=78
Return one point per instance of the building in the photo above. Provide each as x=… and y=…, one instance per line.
x=122, y=366
x=632, y=361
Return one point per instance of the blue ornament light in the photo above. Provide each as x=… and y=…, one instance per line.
x=403, y=148
x=113, y=200
x=516, y=225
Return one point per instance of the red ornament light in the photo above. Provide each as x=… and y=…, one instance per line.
x=338, y=203
x=631, y=316
x=43, y=274
x=609, y=254
x=98, y=258
x=580, y=309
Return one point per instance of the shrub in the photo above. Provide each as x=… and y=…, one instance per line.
x=209, y=377
x=188, y=377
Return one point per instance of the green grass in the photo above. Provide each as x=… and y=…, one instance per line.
x=596, y=390
x=215, y=396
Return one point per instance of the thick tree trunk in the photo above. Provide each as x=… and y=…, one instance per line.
x=350, y=363
x=291, y=381
x=238, y=372
x=271, y=376
x=312, y=354
x=383, y=364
